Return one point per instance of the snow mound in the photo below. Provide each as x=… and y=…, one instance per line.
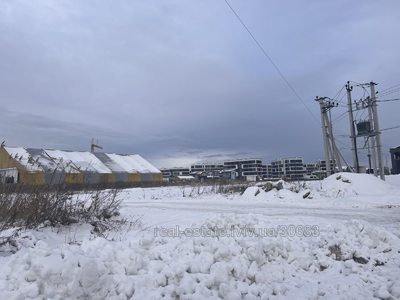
x=277, y=191
x=350, y=184
x=251, y=191
x=362, y=259
x=337, y=186
x=393, y=180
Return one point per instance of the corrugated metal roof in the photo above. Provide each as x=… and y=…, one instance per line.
x=48, y=160
x=24, y=158
x=111, y=164
x=133, y=163
x=82, y=161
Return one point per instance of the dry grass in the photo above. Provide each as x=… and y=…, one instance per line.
x=30, y=207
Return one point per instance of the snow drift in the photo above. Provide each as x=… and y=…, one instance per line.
x=353, y=254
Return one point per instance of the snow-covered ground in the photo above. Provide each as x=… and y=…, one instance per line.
x=331, y=239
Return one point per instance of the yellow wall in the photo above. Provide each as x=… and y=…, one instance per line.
x=134, y=177
x=8, y=162
x=25, y=177
x=74, y=178
x=107, y=178
x=31, y=178
x=157, y=177
x=37, y=178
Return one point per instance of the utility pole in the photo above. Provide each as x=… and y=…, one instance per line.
x=353, y=136
x=330, y=149
x=324, y=135
x=371, y=137
x=377, y=131
x=335, y=151
x=369, y=161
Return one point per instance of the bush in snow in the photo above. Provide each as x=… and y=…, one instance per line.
x=34, y=206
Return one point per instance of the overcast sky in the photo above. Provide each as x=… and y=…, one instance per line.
x=181, y=81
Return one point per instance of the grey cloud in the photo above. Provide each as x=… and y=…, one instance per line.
x=180, y=80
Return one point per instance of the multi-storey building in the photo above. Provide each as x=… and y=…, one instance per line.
x=288, y=168
x=311, y=168
x=395, y=156
x=267, y=171
x=322, y=166
x=207, y=169
x=174, y=172
x=245, y=169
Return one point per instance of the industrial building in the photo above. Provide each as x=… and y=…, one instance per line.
x=31, y=166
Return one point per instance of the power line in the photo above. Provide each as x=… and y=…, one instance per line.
x=345, y=145
x=389, y=88
x=388, y=100
x=390, y=128
x=339, y=93
x=270, y=60
x=340, y=116
x=393, y=91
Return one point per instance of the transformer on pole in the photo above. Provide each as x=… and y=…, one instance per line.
x=369, y=129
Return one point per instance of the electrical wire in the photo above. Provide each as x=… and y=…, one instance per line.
x=338, y=94
x=388, y=100
x=341, y=99
x=389, y=92
x=390, y=128
x=389, y=88
x=270, y=60
x=339, y=117
x=344, y=145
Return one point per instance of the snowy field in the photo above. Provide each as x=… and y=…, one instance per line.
x=333, y=239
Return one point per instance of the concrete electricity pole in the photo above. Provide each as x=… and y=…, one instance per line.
x=377, y=131
x=330, y=149
x=335, y=151
x=324, y=135
x=371, y=137
x=353, y=136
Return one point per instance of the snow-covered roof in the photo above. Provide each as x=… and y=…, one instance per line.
x=23, y=157
x=132, y=163
x=79, y=161
x=145, y=164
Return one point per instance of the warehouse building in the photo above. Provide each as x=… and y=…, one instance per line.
x=31, y=166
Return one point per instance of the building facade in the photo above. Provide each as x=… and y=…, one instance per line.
x=322, y=167
x=395, y=157
x=288, y=168
x=207, y=169
x=175, y=172
x=31, y=166
x=245, y=169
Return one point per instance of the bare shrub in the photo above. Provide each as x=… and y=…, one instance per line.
x=49, y=205
x=232, y=188
x=298, y=186
x=195, y=189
